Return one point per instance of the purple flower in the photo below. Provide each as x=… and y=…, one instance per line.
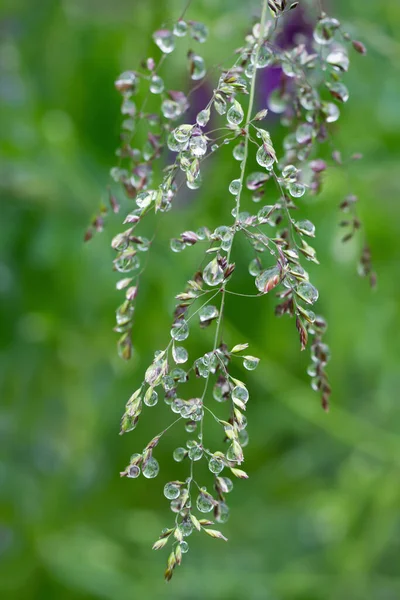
x=297, y=29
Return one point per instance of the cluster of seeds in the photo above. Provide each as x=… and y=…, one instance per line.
x=308, y=100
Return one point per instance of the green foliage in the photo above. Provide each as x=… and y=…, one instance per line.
x=321, y=518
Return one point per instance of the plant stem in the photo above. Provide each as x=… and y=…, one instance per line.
x=238, y=197
x=245, y=156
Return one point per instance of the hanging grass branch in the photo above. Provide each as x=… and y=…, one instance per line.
x=309, y=99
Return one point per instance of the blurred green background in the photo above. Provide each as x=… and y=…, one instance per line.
x=319, y=517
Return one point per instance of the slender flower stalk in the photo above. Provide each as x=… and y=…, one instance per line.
x=307, y=102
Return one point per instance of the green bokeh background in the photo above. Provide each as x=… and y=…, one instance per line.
x=319, y=517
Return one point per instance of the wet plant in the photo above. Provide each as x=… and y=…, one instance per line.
x=311, y=93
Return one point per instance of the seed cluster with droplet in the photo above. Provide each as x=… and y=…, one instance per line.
x=279, y=179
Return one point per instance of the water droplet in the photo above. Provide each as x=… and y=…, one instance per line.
x=265, y=213
x=180, y=28
x=307, y=292
x=256, y=180
x=193, y=183
x=291, y=254
x=220, y=104
x=144, y=199
x=203, y=233
x=226, y=241
x=198, y=145
x=186, y=527
x=204, y=503
x=164, y=40
x=118, y=174
x=238, y=151
x=304, y=133
x=339, y=58
x=228, y=485
x=133, y=471
x=265, y=57
x=290, y=173
x=288, y=66
x=191, y=426
x=179, y=354
x=306, y=227
x=235, y=114
x=268, y=279
x=331, y=112
x=213, y=273
x=211, y=360
x=179, y=454
x=243, y=438
x=338, y=90
x=171, y=109
x=220, y=231
x=176, y=405
x=184, y=547
x=208, y=313
x=156, y=84
x=316, y=384
x=129, y=125
x=167, y=400
x=177, y=245
x=135, y=458
x=255, y=267
x=249, y=71
x=197, y=67
x=143, y=244
x=250, y=362
x=312, y=370
x=325, y=30
x=320, y=324
x=222, y=513
x=221, y=390
x=215, y=465
x=151, y=468
x=127, y=261
x=240, y=393
x=201, y=368
x=323, y=354
x=175, y=505
x=121, y=241
x=231, y=453
x=182, y=133
x=126, y=82
x=198, y=31
x=171, y=491
x=178, y=375
x=128, y=107
x=235, y=186
x=203, y=117
x=264, y=158
x=297, y=190
x=154, y=373
x=151, y=399
x=173, y=145
x=308, y=314
x=196, y=452
x=180, y=331
x=309, y=98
